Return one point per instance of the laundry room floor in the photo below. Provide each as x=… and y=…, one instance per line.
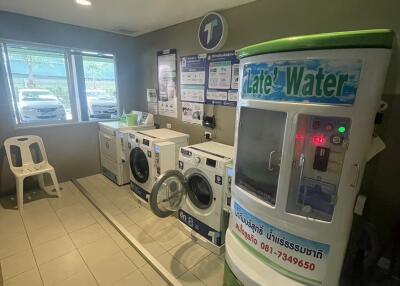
x=67, y=241
x=185, y=259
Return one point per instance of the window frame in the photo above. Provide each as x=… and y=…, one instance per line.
x=71, y=77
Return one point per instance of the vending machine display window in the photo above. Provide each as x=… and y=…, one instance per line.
x=260, y=140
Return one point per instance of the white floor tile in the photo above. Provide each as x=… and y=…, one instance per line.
x=99, y=250
x=53, y=249
x=210, y=270
x=171, y=264
x=188, y=279
x=11, y=245
x=82, y=278
x=61, y=268
x=30, y=277
x=87, y=235
x=17, y=264
x=45, y=234
x=134, y=256
x=189, y=253
x=112, y=269
x=152, y=276
x=134, y=278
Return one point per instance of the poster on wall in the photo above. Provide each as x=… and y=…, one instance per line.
x=192, y=112
x=152, y=102
x=167, y=83
x=222, y=78
x=193, y=77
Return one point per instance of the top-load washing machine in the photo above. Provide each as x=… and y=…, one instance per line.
x=151, y=153
x=113, y=146
x=197, y=191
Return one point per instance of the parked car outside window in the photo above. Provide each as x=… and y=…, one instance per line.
x=101, y=104
x=39, y=105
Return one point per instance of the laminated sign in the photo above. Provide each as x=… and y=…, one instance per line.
x=296, y=257
x=325, y=81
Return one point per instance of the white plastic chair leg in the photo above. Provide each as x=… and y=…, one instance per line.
x=55, y=183
x=20, y=194
x=41, y=181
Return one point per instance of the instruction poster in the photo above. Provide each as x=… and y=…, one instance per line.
x=193, y=78
x=152, y=101
x=167, y=83
x=222, y=78
x=192, y=112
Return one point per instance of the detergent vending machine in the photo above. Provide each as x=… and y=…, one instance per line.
x=304, y=124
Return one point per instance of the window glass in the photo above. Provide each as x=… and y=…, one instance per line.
x=40, y=84
x=100, y=86
x=259, y=152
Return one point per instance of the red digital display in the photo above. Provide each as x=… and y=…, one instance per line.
x=318, y=139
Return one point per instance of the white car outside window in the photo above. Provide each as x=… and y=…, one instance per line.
x=101, y=104
x=35, y=105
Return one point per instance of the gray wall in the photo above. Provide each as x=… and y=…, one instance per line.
x=266, y=20
x=72, y=149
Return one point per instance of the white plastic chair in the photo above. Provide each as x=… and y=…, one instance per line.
x=30, y=159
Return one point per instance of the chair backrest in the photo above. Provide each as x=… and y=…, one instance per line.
x=25, y=152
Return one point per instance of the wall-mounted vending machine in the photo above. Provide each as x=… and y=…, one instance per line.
x=304, y=124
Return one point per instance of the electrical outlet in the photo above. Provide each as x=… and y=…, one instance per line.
x=169, y=125
x=208, y=135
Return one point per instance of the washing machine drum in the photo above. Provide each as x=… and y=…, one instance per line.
x=200, y=192
x=139, y=165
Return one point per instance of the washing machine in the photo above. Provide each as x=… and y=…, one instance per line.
x=196, y=192
x=113, y=146
x=152, y=153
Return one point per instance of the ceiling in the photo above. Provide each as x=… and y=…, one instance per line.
x=131, y=17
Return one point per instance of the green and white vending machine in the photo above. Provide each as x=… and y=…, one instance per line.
x=304, y=123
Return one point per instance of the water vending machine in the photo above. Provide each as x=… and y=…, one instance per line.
x=304, y=124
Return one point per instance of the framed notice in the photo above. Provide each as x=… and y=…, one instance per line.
x=193, y=77
x=222, y=78
x=167, y=83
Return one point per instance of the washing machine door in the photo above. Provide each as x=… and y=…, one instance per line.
x=139, y=165
x=168, y=194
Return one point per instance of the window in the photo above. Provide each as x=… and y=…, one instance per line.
x=100, y=87
x=48, y=85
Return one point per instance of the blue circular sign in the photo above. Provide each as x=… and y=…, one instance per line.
x=213, y=31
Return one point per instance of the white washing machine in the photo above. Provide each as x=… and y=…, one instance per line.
x=151, y=153
x=197, y=192
x=113, y=141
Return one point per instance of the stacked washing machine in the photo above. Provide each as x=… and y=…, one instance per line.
x=113, y=137
x=151, y=153
x=198, y=192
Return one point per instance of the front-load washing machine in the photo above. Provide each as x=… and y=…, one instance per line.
x=197, y=192
x=151, y=153
x=113, y=145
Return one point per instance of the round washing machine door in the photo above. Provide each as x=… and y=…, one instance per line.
x=168, y=193
x=139, y=165
x=200, y=192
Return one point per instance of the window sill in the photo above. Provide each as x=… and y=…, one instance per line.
x=61, y=124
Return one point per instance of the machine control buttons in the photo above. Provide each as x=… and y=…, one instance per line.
x=336, y=139
x=328, y=127
x=181, y=165
x=149, y=154
x=197, y=160
x=218, y=179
